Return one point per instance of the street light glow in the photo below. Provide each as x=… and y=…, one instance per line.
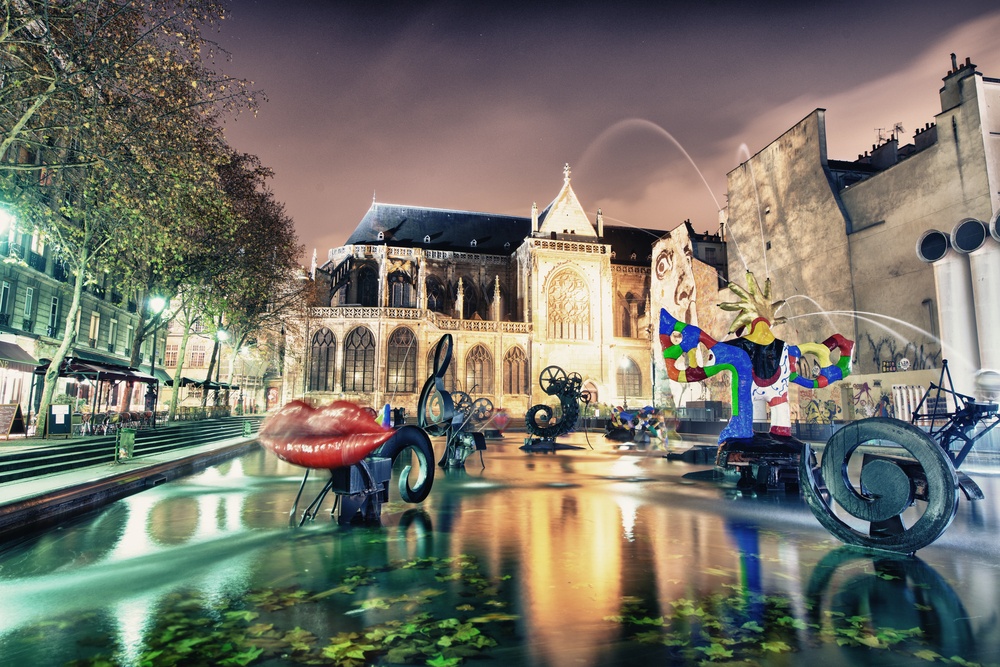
x=157, y=304
x=7, y=219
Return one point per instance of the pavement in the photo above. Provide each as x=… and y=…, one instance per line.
x=47, y=499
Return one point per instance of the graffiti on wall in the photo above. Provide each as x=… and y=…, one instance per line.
x=868, y=405
x=886, y=355
x=817, y=407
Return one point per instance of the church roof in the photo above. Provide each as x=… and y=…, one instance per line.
x=628, y=241
x=494, y=234
x=565, y=215
x=441, y=229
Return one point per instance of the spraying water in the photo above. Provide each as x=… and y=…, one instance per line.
x=641, y=124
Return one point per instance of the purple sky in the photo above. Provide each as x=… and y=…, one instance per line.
x=453, y=105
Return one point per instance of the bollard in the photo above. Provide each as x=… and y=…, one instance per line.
x=124, y=444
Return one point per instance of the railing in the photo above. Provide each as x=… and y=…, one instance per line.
x=8, y=249
x=36, y=261
x=438, y=320
x=59, y=272
x=570, y=246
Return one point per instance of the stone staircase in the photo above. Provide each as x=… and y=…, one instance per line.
x=59, y=455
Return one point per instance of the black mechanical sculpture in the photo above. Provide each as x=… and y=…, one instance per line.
x=907, y=498
x=540, y=419
x=475, y=413
x=440, y=414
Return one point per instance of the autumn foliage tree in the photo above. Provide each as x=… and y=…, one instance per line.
x=110, y=116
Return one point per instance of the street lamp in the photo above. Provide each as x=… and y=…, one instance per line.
x=624, y=367
x=156, y=306
x=222, y=336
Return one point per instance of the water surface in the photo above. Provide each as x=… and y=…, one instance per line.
x=582, y=557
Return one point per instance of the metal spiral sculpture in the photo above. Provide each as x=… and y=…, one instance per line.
x=538, y=419
x=438, y=409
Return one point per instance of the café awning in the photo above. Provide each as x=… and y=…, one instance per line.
x=14, y=357
x=97, y=371
x=202, y=384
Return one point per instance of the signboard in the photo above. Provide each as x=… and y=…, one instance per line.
x=60, y=421
x=11, y=419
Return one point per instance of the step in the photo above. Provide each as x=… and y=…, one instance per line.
x=91, y=450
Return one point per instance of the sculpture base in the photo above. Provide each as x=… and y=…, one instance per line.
x=763, y=463
x=696, y=454
x=545, y=445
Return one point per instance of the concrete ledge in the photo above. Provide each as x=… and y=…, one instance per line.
x=111, y=483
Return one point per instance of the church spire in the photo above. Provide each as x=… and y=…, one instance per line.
x=565, y=215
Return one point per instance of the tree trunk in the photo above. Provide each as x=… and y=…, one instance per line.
x=69, y=337
x=181, y=352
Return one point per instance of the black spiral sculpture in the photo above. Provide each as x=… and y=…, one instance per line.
x=437, y=411
x=538, y=420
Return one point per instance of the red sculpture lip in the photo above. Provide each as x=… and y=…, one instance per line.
x=334, y=436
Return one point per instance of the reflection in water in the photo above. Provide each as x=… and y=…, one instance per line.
x=888, y=591
x=582, y=558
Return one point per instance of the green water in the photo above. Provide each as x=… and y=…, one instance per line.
x=584, y=557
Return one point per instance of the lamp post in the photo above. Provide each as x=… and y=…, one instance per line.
x=222, y=336
x=156, y=306
x=624, y=367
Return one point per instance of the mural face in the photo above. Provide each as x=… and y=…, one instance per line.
x=673, y=287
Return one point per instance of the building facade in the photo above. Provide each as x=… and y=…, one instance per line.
x=896, y=250
x=35, y=292
x=518, y=295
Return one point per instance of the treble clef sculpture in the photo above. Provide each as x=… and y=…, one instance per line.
x=437, y=411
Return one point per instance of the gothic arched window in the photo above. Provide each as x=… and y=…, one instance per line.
x=367, y=286
x=400, y=291
x=322, y=360
x=515, y=372
x=401, y=362
x=470, y=299
x=435, y=295
x=479, y=371
x=629, y=378
x=569, y=306
x=450, y=378
x=359, y=361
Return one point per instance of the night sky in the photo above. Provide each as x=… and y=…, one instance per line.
x=461, y=106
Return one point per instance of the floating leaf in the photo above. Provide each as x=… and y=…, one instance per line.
x=717, y=572
x=299, y=640
x=242, y=615
x=494, y=617
x=715, y=651
x=776, y=646
x=243, y=658
x=927, y=654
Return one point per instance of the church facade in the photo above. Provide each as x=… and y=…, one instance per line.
x=517, y=294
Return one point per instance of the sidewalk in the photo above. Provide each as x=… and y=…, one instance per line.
x=40, y=501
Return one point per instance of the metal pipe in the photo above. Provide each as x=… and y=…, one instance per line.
x=971, y=237
x=956, y=318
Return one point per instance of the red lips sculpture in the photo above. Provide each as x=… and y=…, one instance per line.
x=338, y=435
